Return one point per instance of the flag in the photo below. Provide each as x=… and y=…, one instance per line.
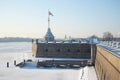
x=50, y=13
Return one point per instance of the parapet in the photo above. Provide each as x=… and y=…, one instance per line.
x=62, y=41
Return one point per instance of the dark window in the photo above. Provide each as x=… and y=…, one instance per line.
x=68, y=50
x=58, y=50
x=46, y=50
x=78, y=50
x=88, y=50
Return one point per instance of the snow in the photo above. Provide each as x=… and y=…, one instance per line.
x=87, y=73
x=10, y=57
x=113, y=49
x=31, y=72
x=41, y=74
x=60, y=59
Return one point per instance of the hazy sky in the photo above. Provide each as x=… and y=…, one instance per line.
x=75, y=18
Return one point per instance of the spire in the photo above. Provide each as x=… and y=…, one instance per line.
x=49, y=36
x=49, y=14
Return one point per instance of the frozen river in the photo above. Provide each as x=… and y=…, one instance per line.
x=15, y=47
x=11, y=51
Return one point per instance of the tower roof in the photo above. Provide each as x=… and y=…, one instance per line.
x=49, y=36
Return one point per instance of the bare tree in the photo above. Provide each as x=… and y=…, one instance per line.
x=107, y=36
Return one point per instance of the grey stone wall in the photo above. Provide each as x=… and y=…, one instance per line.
x=62, y=50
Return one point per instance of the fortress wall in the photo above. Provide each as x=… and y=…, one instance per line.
x=62, y=50
x=34, y=48
x=107, y=65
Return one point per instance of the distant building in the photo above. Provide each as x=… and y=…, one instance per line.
x=93, y=40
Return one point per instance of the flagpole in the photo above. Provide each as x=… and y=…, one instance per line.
x=48, y=19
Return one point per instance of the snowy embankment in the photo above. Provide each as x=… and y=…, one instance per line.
x=47, y=74
x=86, y=73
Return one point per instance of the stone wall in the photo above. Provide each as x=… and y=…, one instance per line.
x=34, y=48
x=62, y=50
x=107, y=65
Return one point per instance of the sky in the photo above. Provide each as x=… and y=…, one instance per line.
x=75, y=18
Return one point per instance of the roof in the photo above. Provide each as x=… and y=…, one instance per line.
x=49, y=34
x=113, y=48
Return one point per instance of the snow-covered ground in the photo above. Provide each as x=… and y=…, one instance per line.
x=86, y=73
x=20, y=51
x=38, y=74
